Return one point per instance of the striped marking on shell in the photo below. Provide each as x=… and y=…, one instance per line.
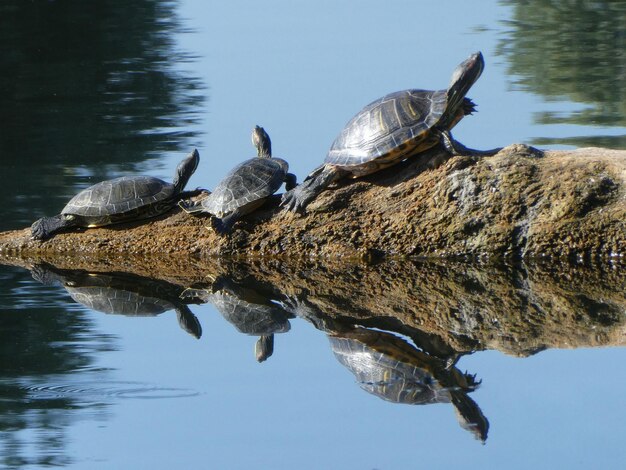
x=120, y=199
x=387, y=130
x=249, y=183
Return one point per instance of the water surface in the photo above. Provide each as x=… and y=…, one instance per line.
x=94, y=90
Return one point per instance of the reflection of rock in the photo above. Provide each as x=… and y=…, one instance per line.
x=121, y=294
x=465, y=308
x=249, y=310
x=450, y=306
x=568, y=205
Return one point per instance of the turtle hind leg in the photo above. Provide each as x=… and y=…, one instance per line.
x=457, y=148
x=45, y=227
x=224, y=225
x=190, y=206
x=298, y=198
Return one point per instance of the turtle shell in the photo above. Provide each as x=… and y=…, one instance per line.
x=119, y=199
x=389, y=129
x=246, y=185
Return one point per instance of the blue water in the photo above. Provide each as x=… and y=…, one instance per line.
x=83, y=389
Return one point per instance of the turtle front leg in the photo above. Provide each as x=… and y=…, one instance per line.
x=291, y=181
x=457, y=148
x=47, y=226
x=298, y=198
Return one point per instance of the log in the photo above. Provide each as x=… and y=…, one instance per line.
x=521, y=203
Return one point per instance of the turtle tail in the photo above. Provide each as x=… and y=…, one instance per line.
x=45, y=227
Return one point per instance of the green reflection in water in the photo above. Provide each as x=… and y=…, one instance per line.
x=41, y=341
x=571, y=50
x=88, y=89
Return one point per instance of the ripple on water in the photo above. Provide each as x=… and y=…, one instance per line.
x=104, y=390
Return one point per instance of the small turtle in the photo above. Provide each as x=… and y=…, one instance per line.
x=245, y=187
x=119, y=200
x=391, y=129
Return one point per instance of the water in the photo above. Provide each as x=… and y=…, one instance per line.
x=93, y=90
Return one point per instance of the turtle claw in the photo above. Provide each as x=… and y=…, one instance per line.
x=190, y=206
x=291, y=202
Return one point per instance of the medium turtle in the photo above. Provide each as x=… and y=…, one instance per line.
x=391, y=129
x=119, y=200
x=245, y=187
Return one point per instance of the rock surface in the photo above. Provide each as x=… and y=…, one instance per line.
x=520, y=203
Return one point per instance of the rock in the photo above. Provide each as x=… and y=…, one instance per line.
x=521, y=203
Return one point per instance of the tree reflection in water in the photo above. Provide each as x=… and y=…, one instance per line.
x=571, y=51
x=88, y=89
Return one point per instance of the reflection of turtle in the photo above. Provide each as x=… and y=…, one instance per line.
x=119, y=200
x=121, y=293
x=392, y=128
x=392, y=369
x=250, y=311
x=246, y=187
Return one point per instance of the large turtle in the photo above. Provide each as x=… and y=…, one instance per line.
x=391, y=129
x=245, y=187
x=119, y=200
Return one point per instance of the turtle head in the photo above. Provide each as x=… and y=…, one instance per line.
x=468, y=71
x=185, y=169
x=262, y=142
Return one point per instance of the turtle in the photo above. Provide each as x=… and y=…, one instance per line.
x=120, y=293
x=394, y=128
x=245, y=187
x=123, y=199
